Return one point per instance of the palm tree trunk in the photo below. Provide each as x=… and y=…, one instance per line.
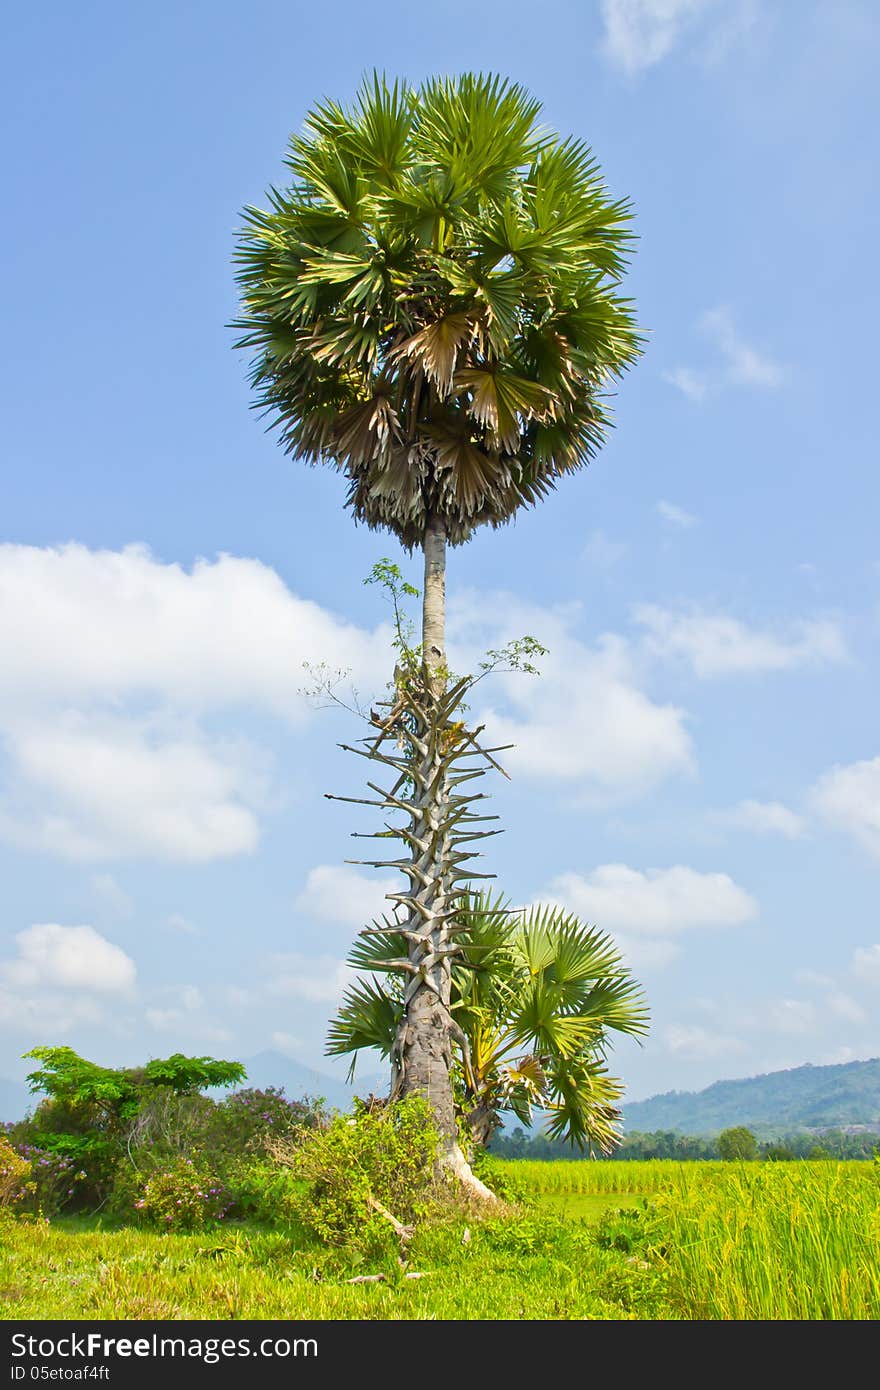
x=426, y=1037
x=434, y=607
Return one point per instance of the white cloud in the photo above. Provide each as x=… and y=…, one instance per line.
x=693, y=1043
x=814, y=977
x=586, y=721
x=110, y=660
x=239, y=998
x=745, y=366
x=317, y=980
x=639, y=33
x=177, y=922
x=164, y=1020
x=108, y=788
x=112, y=896
x=764, y=817
x=848, y=798
x=185, y=1015
x=676, y=516
x=78, y=625
x=191, y=997
x=68, y=958
x=691, y=383
x=738, y=364
x=837, y=1056
x=47, y=1015
x=865, y=964
x=715, y=644
x=653, y=903
x=62, y=978
x=287, y=1042
x=339, y=893
x=181, y=1022
x=602, y=552
x=790, y=1017
x=845, y=1007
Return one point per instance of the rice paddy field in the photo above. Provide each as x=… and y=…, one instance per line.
x=629, y=1241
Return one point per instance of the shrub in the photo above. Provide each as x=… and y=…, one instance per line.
x=15, y=1172
x=56, y=1180
x=260, y=1190
x=92, y=1118
x=180, y=1197
x=383, y=1156
x=247, y=1119
x=627, y=1229
x=72, y=1154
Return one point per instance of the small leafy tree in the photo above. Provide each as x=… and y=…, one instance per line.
x=737, y=1143
x=91, y=1115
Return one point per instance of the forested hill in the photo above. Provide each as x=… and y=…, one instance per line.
x=804, y=1098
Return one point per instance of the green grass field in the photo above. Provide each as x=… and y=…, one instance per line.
x=728, y=1241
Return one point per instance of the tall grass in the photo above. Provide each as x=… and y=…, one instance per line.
x=767, y=1241
x=787, y=1241
x=609, y=1175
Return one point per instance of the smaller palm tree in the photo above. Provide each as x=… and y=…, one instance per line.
x=536, y=995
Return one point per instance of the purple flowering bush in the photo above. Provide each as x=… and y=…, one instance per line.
x=55, y=1180
x=182, y=1197
x=247, y=1119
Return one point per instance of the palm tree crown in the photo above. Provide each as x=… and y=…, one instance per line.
x=432, y=302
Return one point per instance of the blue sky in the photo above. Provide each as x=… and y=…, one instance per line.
x=698, y=767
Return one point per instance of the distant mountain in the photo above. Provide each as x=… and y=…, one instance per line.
x=15, y=1099
x=779, y=1102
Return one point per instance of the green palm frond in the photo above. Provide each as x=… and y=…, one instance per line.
x=368, y=1017
x=537, y=993
x=372, y=950
x=538, y=1019
x=582, y=1104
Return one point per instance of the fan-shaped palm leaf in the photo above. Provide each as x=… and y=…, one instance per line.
x=537, y=994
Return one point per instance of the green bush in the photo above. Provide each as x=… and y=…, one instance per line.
x=15, y=1174
x=93, y=1119
x=381, y=1156
x=72, y=1156
x=262, y=1191
x=626, y=1229
x=181, y=1197
x=56, y=1179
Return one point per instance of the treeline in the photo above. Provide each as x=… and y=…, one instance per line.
x=833, y=1144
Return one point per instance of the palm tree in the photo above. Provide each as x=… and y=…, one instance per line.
x=536, y=995
x=432, y=306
